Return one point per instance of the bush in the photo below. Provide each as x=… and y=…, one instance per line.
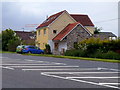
x=108, y=55
x=9, y=40
x=12, y=44
x=47, y=49
x=76, y=53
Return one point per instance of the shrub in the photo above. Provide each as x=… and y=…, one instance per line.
x=108, y=55
x=9, y=40
x=47, y=49
x=76, y=53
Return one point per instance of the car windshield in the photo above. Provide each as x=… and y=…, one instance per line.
x=32, y=47
x=20, y=46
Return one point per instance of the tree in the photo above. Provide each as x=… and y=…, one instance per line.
x=97, y=30
x=9, y=40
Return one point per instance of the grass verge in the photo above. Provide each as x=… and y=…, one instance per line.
x=6, y=52
x=79, y=58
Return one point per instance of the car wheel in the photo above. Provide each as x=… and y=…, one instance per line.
x=42, y=53
x=29, y=52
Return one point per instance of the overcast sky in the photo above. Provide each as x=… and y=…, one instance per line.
x=27, y=15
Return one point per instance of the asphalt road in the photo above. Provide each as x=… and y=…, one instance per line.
x=21, y=71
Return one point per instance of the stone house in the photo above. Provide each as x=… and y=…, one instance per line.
x=69, y=36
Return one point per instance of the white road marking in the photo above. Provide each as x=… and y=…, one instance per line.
x=41, y=66
x=30, y=64
x=8, y=68
x=36, y=61
x=78, y=72
x=44, y=61
x=110, y=69
x=93, y=77
x=80, y=80
x=59, y=69
x=110, y=83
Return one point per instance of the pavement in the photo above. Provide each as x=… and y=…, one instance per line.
x=22, y=71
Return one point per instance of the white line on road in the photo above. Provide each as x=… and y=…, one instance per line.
x=93, y=77
x=59, y=69
x=44, y=61
x=30, y=64
x=8, y=68
x=33, y=60
x=110, y=83
x=78, y=72
x=41, y=66
x=79, y=80
x=110, y=69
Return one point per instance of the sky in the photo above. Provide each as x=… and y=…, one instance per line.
x=28, y=15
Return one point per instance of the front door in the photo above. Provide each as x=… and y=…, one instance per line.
x=56, y=45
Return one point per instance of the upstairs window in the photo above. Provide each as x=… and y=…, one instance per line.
x=39, y=32
x=44, y=31
x=54, y=31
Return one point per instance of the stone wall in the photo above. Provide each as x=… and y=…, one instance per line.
x=78, y=34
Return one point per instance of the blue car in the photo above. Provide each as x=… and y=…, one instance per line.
x=32, y=49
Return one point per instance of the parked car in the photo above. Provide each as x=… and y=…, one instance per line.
x=20, y=48
x=31, y=49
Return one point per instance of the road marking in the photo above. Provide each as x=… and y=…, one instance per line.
x=110, y=69
x=110, y=83
x=29, y=64
x=44, y=61
x=8, y=68
x=78, y=72
x=42, y=66
x=59, y=69
x=93, y=77
x=80, y=80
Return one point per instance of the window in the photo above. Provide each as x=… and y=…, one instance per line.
x=56, y=45
x=39, y=32
x=54, y=31
x=44, y=31
x=32, y=47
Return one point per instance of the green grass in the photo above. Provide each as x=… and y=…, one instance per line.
x=6, y=52
x=79, y=58
x=69, y=57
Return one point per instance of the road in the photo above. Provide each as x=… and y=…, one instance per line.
x=22, y=71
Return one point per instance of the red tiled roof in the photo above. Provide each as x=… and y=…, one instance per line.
x=83, y=19
x=50, y=19
x=65, y=31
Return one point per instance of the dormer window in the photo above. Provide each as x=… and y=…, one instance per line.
x=54, y=31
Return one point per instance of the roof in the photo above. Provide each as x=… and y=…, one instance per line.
x=50, y=19
x=25, y=35
x=65, y=31
x=83, y=19
x=109, y=34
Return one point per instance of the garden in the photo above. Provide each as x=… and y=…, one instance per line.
x=96, y=48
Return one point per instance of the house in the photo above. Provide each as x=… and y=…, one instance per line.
x=62, y=30
x=105, y=35
x=28, y=38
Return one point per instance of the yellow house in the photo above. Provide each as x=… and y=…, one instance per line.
x=54, y=24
